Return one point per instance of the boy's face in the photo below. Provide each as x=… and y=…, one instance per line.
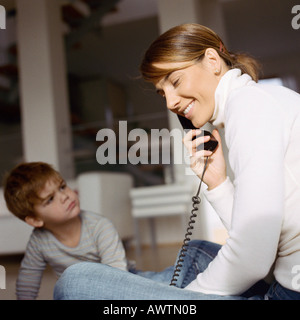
x=59, y=204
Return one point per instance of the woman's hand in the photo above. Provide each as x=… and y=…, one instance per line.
x=215, y=172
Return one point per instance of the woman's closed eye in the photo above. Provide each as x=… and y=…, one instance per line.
x=176, y=83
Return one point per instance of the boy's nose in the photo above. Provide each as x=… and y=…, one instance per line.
x=64, y=196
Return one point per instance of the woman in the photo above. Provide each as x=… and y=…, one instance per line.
x=203, y=82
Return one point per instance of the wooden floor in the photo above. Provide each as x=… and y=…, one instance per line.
x=150, y=260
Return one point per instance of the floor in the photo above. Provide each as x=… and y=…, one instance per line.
x=150, y=259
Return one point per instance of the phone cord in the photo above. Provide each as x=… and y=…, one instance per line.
x=196, y=201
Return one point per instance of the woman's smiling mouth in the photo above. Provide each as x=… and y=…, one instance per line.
x=188, y=109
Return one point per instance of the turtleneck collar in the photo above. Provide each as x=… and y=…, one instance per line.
x=231, y=80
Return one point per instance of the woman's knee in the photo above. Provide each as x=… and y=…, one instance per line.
x=74, y=278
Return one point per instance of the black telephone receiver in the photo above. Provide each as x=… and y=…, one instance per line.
x=210, y=145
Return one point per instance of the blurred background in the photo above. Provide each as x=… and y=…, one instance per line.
x=103, y=42
x=69, y=68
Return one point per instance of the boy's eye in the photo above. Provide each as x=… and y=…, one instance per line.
x=50, y=200
x=63, y=186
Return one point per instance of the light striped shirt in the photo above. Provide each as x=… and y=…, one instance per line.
x=99, y=242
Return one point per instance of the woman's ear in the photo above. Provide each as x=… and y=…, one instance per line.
x=213, y=60
x=34, y=221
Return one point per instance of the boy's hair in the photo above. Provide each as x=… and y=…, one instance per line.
x=23, y=185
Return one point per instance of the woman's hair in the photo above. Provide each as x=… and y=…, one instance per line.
x=23, y=185
x=188, y=43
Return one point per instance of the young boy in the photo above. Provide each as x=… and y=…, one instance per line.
x=63, y=234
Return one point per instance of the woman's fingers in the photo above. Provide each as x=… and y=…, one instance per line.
x=193, y=140
x=216, y=169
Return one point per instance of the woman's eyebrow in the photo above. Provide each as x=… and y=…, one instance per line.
x=167, y=76
x=164, y=80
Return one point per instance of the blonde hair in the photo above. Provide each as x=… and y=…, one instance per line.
x=188, y=43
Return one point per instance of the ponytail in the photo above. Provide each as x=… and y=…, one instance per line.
x=245, y=63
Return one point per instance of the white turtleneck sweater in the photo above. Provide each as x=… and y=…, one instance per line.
x=261, y=208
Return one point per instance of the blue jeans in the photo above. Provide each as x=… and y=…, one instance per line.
x=95, y=281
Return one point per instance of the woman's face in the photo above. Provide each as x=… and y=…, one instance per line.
x=190, y=91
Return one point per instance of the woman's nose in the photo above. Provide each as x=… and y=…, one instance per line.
x=172, y=101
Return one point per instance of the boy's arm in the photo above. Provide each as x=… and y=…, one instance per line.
x=31, y=271
x=110, y=246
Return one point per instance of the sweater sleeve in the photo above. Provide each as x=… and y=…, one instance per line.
x=31, y=271
x=255, y=137
x=109, y=245
x=221, y=199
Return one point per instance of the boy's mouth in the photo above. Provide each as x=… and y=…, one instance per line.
x=71, y=205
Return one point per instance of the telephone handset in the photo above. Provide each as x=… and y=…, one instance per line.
x=211, y=145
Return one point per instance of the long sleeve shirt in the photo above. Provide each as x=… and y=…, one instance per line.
x=261, y=207
x=99, y=242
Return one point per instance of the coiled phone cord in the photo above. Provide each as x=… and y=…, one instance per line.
x=196, y=201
